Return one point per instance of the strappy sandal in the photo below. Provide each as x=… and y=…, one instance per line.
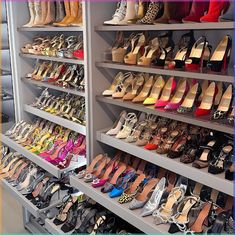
x=136, y=132
x=167, y=144
x=165, y=212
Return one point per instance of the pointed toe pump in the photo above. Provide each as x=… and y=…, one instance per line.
x=207, y=101
x=167, y=91
x=144, y=92
x=224, y=105
x=220, y=59
x=155, y=92
x=199, y=55
x=188, y=103
x=133, y=56
x=178, y=97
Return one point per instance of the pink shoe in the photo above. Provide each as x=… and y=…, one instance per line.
x=178, y=97
x=51, y=151
x=167, y=91
x=80, y=150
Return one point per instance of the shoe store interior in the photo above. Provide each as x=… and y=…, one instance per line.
x=117, y=117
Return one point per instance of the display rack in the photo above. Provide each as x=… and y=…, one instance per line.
x=101, y=111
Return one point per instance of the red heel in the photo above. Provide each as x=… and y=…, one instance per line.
x=207, y=101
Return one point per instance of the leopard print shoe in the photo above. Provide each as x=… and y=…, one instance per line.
x=154, y=11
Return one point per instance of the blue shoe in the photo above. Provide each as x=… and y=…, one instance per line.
x=122, y=185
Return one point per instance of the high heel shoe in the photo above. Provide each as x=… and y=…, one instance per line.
x=133, y=55
x=155, y=92
x=167, y=91
x=188, y=103
x=149, y=53
x=180, y=220
x=145, y=91
x=207, y=101
x=217, y=165
x=231, y=117
x=220, y=59
x=130, y=120
x=123, y=86
x=137, y=84
x=117, y=80
x=205, y=154
x=154, y=11
x=224, y=104
x=185, y=45
x=199, y=55
x=197, y=226
x=136, y=132
x=178, y=97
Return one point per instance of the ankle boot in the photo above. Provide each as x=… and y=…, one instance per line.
x=228, y=16
x=131, y=12
x=174, y=12
x=67, y=14
x=78, y=20
x=155, y=10
x=60, y=11
x=215, y=9
x=50, y=17
x=198, y=10
x=31, y=13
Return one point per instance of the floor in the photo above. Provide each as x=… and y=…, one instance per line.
x=12, y=221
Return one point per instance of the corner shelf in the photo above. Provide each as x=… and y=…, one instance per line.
x=22, y=199
x=58, y=120
x=51, y=58
x=202, y=176
x=167, y=72
x=54, y=87
x=40, y=161
x=50, y=29
x=187, y=118
x=164, y=27
x=144, y=224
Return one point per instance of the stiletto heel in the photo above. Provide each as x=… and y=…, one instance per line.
x=199, y=55
x=224, y=104
x=220, y=59
x=155, y=92
x=188, y=103
x=207, y=101
x=167, y=91
x=145, y=91
x=133, y=55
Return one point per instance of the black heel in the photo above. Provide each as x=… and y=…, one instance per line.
x=218, y=64
x=219, y=223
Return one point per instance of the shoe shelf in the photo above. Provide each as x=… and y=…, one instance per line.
x=54, y=87
x=145, y=224
x=21, y=199
x=187, y=118
x=51, y=58
x=58, y=120
x=50, y=29
x=54, y=229
x=177, y=73
x=202, y=176
x=52, y=169
x=163, y=27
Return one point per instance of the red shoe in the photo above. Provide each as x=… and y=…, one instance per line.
x=57, y=73
x=198, y=10
x=79, y=54
x=215, y=9
x=207, y=101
